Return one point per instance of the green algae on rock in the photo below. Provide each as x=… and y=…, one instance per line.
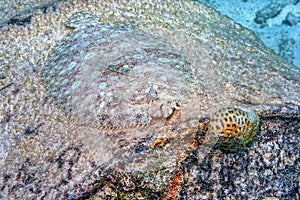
x=115, y=75
x=232, y=128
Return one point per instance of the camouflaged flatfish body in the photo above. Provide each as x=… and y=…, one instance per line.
x=115, y=76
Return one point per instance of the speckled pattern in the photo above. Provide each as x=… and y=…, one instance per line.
x=233, y=128
x=43, y=156
x=115, y=76
x=270, y=170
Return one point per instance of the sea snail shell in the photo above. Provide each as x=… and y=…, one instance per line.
x=231, y=128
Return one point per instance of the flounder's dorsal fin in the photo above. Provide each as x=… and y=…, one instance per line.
x=80, y=18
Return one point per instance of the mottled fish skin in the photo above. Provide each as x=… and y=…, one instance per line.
x=116, y=76
x=232, y=128
x=81, y=18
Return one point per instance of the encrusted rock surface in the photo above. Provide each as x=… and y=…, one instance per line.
x=45, y=155
x=20, y=12
x=270, y=168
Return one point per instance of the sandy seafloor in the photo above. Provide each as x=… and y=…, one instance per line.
x=280, y=30
x=51, y=157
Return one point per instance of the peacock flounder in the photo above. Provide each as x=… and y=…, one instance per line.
x=116, y=76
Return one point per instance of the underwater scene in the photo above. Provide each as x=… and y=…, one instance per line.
x=157, y=99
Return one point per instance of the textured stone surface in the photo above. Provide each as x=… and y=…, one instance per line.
x=45, y=155
x=20, y=12
x=269, y=169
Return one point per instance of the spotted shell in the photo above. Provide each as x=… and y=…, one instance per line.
x=115, y=75
x=232, y=128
